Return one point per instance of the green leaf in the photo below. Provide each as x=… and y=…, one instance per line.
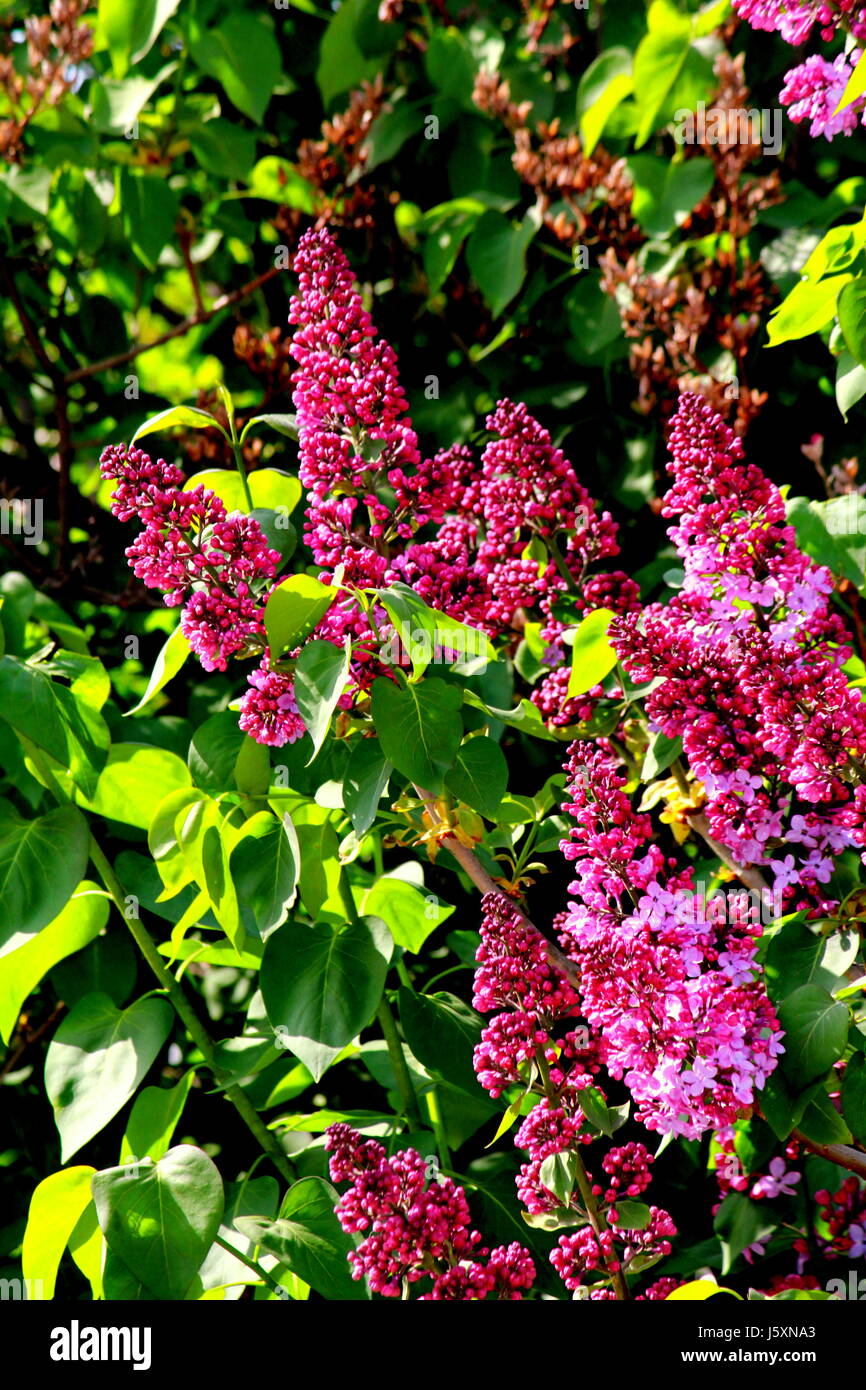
x=782, y=1106
x=496, y=255
x=365, y=780
x=187, y=416
x=850, y=383
x=97, y=1059
x=283, y=424
x=320, y=678
x=79, y=923
x=409, y=914
x=322, y=986
x=270, y=488
x=222, y=148
x=822, y=1122
x=265, y=872
x=793, y=958
x=56, y=1206
x=442, y=1032
x=807, y=308
x=135, y=779
x=658, y=63
x=342, y=63
x=50, y=716
x=278, y=180
x=244, y=57
x=557, y=1174
x=294, y=609
x=116, y=104
x=816, y=1033
x=309, y=1240
x=319, y=871
x=450, y=65
x=42, y=861
x=595, y=1108
x=153, y=1118
x=854, y=1096
x=661, y=752
x=206, y=839
x=665, y=193
x=592, y=656
x=130, y=30
x=149, y=208
x=419, y=727
x=851, y=309
x=632, y=1216
x=739, y=1223
x=479, y=776
x=425, y=633
x=854, y=87
x=214, y=750
x=167, y=665
x=697, y=1291
x=160, y=1218
x=604, y=85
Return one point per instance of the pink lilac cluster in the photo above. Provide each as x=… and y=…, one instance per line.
x=374, y=500
x=676, y=998
x=218, y=565
x=813, y=88
x=587, y=1251
x=521, y=1046
x=747, y=657
x=414, y=1230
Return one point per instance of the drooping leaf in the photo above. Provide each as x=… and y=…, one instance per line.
x=816, y=1032
x=96, y=1061
x=265, y=872
x=55, y=1209
x=320, y=678
x=322, y=986
x=309, y=1240
x=77, y=924
x=419, y=727
x=41, y=863
x=160, y=1218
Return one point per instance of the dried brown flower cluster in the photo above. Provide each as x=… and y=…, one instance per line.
x=334, y=164
x=720, y=300
x=583, y=198
x=56, y=43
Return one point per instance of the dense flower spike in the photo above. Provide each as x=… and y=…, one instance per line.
x=748, y=655
x=219, y=566
x=416, y=1230
x=675, y=995
x=347, y=392
x=268, y=710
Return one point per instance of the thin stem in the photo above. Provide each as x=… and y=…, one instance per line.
x=185, y=1012
x=408, y=1097
x=482, y=880
x=263, y=1274
x=182, y=1007
x=435, y=1114
x=597, y=1222
x=240, y=466
x=596, y=1218
x=388, y=1025
x=225, y=300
